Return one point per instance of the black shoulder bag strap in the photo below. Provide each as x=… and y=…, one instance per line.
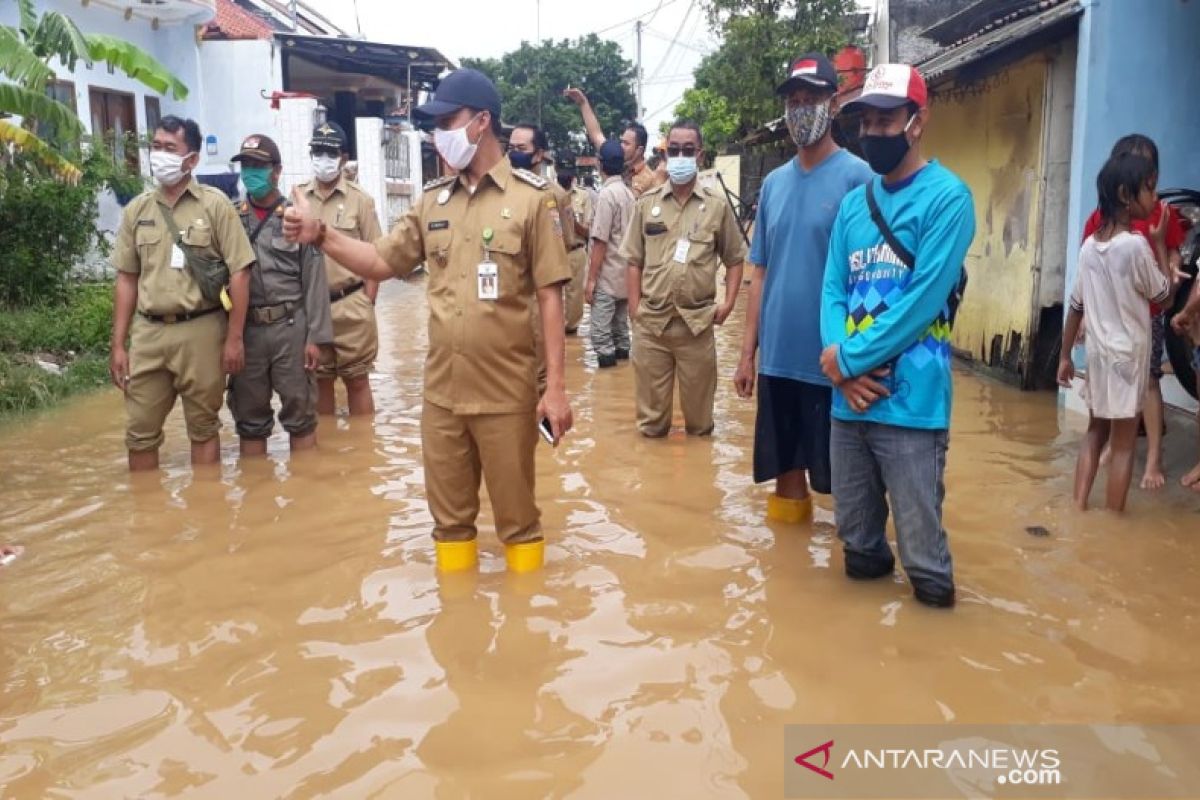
x=900, y=250
x=906, y=256
x=262, y=223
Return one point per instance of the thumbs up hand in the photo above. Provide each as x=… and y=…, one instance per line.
x=299, y=224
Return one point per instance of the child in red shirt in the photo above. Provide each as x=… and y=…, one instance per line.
x=1152, y=413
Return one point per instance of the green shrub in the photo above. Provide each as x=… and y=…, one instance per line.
x=25, y=387
x=47, y=226
x=81, y=324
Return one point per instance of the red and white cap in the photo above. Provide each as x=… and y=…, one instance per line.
x=890, y=86
x=813, y=69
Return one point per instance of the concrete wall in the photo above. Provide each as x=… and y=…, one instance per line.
x=993, y=141
x=908, y=18
x=1138, y=68
x=235, y=75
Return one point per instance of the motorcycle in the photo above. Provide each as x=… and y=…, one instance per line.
x=1179, y=348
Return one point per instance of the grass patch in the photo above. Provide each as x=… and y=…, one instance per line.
x=73, y=335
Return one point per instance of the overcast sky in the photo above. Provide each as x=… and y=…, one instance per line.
x=482, y=29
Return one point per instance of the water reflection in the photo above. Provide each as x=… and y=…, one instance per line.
x=276, y=628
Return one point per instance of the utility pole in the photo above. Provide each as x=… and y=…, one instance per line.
x=641, y=108
x=537, y=53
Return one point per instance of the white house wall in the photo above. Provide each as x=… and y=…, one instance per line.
x=236, y=74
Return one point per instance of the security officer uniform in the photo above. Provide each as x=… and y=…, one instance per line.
x=289, y=309
x=352, y=211
x=577, y=258
x=680, y=248
x=480, y=384
x=177, y=336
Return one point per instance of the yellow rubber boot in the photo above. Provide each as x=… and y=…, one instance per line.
x=789, y=511
x=456, y=556
x=525, y=556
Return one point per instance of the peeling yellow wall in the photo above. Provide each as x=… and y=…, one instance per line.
x=991, y=136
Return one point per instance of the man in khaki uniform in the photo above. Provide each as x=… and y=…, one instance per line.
x=491, y=240
x=678, y=237
x=344, y=205
x=527, y=150
x=577, y=258
x=288, y=321
x=634, y=139
x=181, y=344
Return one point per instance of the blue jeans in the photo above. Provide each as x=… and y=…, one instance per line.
x=874, y=464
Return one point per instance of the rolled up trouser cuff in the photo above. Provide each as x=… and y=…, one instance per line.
x=355, y=339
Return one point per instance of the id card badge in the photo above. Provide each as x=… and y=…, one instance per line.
x=681, y=250
x=489, y=277
x=177, y=260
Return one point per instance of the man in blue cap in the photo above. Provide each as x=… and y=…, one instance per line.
x=606, y=290
x=492, y=241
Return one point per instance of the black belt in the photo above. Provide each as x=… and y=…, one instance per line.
x=346, y=292
x=265, y=315
x=171, y=319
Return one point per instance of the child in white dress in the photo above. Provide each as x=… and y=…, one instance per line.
x=1118, y=272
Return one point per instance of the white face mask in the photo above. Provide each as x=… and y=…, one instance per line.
x=167, y=168
x=326, y=168
x=454, y=145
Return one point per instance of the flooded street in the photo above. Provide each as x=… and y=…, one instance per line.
x=278, y=630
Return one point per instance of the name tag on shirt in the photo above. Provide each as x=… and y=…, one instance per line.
x=681, y=250
x=177, y=260
x=489, y=281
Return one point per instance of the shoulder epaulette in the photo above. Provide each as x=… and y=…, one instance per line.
x=536, y=181
x=442, y=181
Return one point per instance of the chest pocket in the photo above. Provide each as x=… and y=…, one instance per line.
x=505, y=250
x=347, y=221
x=702, y=249
x=286, y=255
x=437, y=250
x=196, y=236
x=147, y=238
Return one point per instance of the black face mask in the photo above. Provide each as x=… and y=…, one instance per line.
x=565, y=181
x=884, y=153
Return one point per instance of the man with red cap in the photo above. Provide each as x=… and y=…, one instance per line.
x=893, y=278
x=796, y=209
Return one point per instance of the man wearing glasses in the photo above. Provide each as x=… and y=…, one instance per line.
x=678, y=237
x=342, y=204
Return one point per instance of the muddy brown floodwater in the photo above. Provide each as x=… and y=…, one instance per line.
x=278, y=630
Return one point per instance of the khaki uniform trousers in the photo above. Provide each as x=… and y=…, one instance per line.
x=656, y=362
x=355, y=339
x=174, y=360
x=459, y=449
x=577, y=260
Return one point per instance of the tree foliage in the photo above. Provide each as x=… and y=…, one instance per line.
x=718, y=123
x=759, y=39
x=533, y=77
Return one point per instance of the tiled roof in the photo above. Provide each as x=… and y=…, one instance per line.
x=234, y=22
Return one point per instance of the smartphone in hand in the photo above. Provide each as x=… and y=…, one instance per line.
x=546, y=431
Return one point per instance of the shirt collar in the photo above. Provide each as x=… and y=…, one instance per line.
x=340, y=186
x=193, y=188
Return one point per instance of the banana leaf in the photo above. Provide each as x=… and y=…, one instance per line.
x=31, y=104
x=32, y=146
x=58, y=35
x=20, y=63
x=136, y=63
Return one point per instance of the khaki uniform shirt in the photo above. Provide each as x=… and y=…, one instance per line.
x=704, y=232
x=288, y=272
x=581, y=204
x=614, y=208
x=208, y=221
x=643, y=180
x=352, y=211
x=563, y=199
x=481, y=352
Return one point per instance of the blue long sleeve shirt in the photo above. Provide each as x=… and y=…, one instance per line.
x=878, y=311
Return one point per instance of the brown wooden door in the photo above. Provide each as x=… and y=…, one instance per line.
x=113, y=116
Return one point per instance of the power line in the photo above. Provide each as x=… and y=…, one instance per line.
x=674, y=39
x=660, y=35
x=662, y=4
